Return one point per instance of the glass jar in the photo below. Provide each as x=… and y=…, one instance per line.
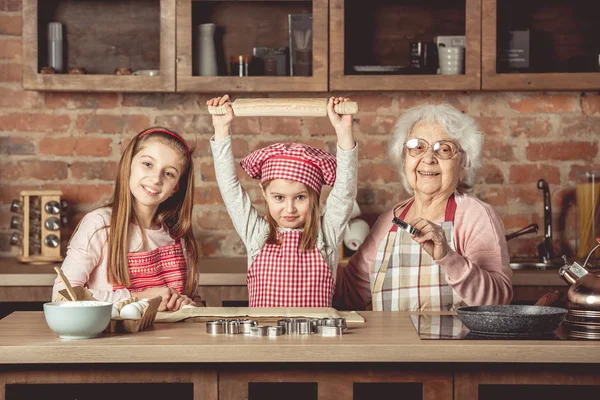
x=588, y=205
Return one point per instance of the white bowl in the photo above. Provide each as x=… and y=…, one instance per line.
x=78, y=319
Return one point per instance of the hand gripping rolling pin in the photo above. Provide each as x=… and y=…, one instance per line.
x=284, y=108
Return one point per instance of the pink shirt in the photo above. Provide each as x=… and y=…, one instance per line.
x=86, y=260
x=478, y=270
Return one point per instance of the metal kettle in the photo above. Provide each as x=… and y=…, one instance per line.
x=584, y=293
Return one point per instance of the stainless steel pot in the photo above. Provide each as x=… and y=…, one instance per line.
x=584, y=293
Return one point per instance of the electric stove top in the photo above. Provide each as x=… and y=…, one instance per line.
x=449, y=327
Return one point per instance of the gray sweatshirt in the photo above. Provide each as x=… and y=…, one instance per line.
x=254, y=229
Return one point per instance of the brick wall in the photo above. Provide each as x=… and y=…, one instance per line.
x=72, y=142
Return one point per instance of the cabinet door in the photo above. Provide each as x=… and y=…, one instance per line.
x=392, y=44
x=540, y=45
x=242, y=26
x=101, y=37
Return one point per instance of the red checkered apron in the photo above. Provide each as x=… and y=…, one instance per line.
x=162, y=267
x=406, y=278
x=287, y=276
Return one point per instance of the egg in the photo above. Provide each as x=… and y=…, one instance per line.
x=130, y=311
x=115, y=312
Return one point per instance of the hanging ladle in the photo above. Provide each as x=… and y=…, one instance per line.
x=64, y=280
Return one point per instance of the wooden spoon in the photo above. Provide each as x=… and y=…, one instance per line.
x=64, y=279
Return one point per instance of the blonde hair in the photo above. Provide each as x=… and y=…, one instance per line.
x=311, y=226
x=175, y=213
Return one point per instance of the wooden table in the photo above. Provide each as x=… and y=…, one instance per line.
x=383, y=350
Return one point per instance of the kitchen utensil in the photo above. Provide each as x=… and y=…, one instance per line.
x=67, y=284
x=406, y=226
x=584, y=293
x=511, y=319
x=78, y=319
x=284, y=108
x=531, y=228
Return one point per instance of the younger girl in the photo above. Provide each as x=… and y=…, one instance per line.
x=293, y=250
x=142, y=242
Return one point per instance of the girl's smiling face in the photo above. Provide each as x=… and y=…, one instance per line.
x=155, y=173
x=428, y=174
x=288, y=202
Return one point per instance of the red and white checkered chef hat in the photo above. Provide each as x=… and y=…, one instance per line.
x=294, y=162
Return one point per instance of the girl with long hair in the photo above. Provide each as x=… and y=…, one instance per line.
x=141, y=243
x=293, y=250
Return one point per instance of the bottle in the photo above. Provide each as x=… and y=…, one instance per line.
x=207, y=58
x=55, y=46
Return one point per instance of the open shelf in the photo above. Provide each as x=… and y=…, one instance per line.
x=563, y=45
x=101, y=36
x=379, y=33
x=241, y=26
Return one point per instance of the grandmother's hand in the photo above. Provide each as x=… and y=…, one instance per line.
x=432, y=238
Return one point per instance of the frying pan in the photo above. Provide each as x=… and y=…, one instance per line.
x=511, y=319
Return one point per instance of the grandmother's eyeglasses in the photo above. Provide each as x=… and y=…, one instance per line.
x=442, y=149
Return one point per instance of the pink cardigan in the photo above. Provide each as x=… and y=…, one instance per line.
x=478, y=270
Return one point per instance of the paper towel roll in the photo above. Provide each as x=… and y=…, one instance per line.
x=356, y=232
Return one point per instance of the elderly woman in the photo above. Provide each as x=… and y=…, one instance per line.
x=460, y=255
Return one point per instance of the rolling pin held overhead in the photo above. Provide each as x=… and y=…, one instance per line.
x=284, y=108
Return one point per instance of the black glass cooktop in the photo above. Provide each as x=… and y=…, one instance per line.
x=449, y=327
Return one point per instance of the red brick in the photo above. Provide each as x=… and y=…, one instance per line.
x=490, y=174
x=318, y=126
x=207, y=195
x=101, y=123
x=206, y=172
x=494, y=126
x=213, y=220
x=490, y=104
x=10, y=5
x=280, y=125
x=11, y=72
x=74, y=101
x=10, y=25
x=515, y=222
x=34, y=169
x=505, y=195
x=10, y=49
x=411, y=99
x=376, y=172
x=16, y=145
x=11, y=98
x=8, y=193
x=67, y=146
x=100, y=170
x=499, y=150
x=577, y=172
x=580, y=127
x=376, y=124
x=167, y=101
x=372, y=102
x=546, y=103
x=195, y=125
x=239, y=147
x=530, y=127
x=373, y=150
x=590, y=105
x=34, y=122
x=245, y=126
x=562, y=151
x=378, y=201
x=81, y=194
x=531, y=173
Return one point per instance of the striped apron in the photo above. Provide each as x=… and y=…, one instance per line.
x=162, y=267
x=406, y=278
x=286, y=276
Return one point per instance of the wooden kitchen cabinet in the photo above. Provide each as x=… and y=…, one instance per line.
x=241, y=26
x=101, y=36
x=563, y=44
x=379, y=33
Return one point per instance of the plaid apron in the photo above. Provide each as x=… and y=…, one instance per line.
x=287, y=276
x=162, y=267
x=406, y=278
